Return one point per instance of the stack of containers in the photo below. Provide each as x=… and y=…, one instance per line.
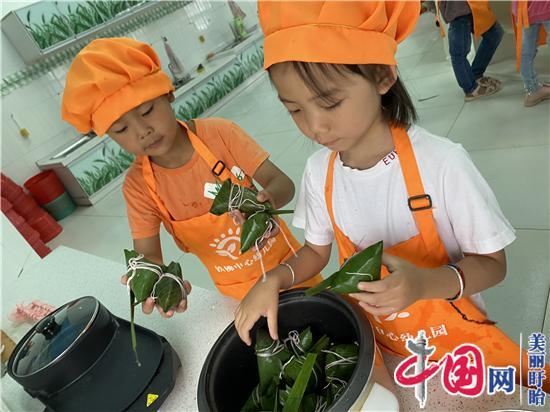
x=49, y=192
x=33, y=222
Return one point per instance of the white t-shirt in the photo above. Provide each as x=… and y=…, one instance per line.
x=371, y=205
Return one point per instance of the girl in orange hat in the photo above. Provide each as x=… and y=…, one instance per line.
x=381, y=177
x=116, y=86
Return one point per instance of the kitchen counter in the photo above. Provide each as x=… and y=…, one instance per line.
x=67, y=274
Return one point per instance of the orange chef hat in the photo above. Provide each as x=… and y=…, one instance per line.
x=342, y=32
x=108, y=78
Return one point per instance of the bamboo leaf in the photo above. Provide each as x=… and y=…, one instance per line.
x=364, y=266
x=253, y=229
x=142, y=280
x=296, y=394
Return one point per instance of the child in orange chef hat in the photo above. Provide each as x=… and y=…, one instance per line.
x=381, y=177
x=116, y=86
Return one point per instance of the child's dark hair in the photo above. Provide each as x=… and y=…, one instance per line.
x=397, y=105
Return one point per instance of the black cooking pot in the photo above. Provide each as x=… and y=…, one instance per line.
x=230, y=371
x=80, y=358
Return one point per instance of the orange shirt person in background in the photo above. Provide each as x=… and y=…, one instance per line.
x=116, y=86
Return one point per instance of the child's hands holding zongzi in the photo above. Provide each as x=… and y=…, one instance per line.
x=149, y=304
x=239, y=218
x=397, y=291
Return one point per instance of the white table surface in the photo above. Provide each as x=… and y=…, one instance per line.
x=67, y=274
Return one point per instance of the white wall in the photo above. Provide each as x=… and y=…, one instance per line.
x=36, y=106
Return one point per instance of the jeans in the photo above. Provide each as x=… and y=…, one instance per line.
x=528, y=53
x=460, y=32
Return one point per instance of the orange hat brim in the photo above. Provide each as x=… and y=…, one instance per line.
x=129, y=97
x=369, y=47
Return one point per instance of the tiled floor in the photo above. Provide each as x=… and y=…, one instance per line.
x=508, y=143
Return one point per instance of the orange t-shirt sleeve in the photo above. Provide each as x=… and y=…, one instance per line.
x=248, y=154
x=143, y=216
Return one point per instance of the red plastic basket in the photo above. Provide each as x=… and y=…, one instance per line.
x=26, y=206
x=46, y=226
x=45, y=187
x=14, y=218
x=10, y=190
x=41, y=249
x=30, y=235
x=6, y=205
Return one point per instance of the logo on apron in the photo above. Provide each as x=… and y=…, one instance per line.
x=227, y=244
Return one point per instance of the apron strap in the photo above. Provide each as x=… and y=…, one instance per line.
x=419, y=202
x=217, y=167
x=149, y=177
x=346, y=248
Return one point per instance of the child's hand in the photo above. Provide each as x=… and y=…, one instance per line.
x=397, y=291
x=261, y=300
x=149, y=304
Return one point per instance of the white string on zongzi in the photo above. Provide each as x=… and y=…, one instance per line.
x=294, y=340
x=301, y=360
x=136, y=263
x=361, y=274
x=333, y=380
x=270, y=351
x=173, y=277
x=341, y=360
x=236, y=201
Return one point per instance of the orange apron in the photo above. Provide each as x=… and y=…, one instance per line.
x=442, y=323
x=483, y=17
x=521, y=22
x=215, y=240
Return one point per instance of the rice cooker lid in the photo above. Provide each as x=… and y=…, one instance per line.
x=55, y=335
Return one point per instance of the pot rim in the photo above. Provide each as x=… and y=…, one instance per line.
x=203, y=399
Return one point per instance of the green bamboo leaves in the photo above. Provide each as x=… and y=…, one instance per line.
x=362, y=267
x=145, y=279
x=298, y=390
x=271, y=355
x=248, y=201
x=258, y=222
x=341, y=360
x=253, y=229
x=168, y=292
x=300, y=374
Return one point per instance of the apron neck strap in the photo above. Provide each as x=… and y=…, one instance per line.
x=419, y=202
x=217, y=167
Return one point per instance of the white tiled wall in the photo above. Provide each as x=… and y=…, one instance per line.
x=36, y=106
